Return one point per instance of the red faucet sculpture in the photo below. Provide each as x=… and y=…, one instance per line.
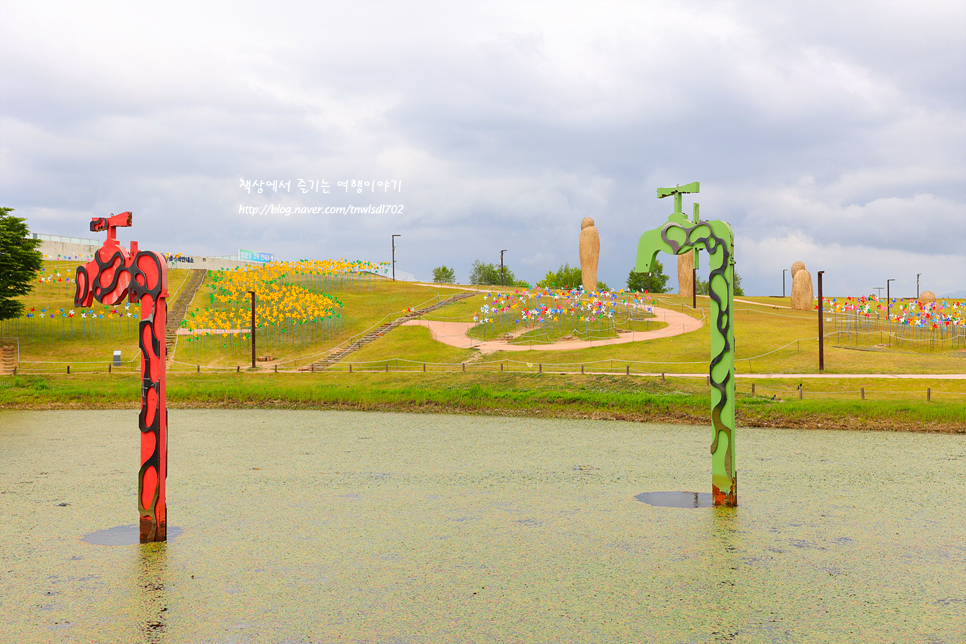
x=114, y=274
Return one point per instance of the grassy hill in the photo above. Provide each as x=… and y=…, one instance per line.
x=769, y=338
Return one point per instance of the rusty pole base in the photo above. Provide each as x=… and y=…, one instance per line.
x=729, y=500
x=151, y=533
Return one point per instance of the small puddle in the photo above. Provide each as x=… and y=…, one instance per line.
x=123, y=535
x=677, y=499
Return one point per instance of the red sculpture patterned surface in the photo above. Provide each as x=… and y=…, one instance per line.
x=113, y=275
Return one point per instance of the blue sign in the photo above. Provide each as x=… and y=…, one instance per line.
x=249, y=256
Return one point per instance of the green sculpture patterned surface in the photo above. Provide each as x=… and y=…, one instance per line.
x=680, y=235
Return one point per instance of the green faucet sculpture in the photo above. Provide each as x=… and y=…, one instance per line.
x=678, y=236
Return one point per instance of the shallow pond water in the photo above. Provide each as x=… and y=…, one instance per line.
x=365, y=527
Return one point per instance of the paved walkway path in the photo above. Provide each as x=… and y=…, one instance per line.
x=774, y=306
x=454, y=334
x=833, y=376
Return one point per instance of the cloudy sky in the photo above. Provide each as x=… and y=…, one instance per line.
x=828, y=132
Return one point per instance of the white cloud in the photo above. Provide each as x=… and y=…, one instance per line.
x=812, y=126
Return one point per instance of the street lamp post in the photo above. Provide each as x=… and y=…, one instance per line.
x=394, y=256
x=784, y=270
x=501, y=267
x=888, y=298
x=917, y=285
x=694, y=286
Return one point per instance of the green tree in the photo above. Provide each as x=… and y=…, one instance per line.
x=19, y=262
x=489, y=274
x=444, y=275
x=565, y=277
x=703, y=286
x=657, y=283
x=602, y=286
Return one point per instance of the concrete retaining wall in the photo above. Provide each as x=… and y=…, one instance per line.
x=84, y=252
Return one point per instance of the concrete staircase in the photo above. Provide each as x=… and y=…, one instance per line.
x=8, y=359
x=176, y=311
x=377, y=332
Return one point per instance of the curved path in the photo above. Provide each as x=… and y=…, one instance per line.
x=454, y=334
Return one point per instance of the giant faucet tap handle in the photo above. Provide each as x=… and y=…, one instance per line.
x=677, y=192
x=107, y=223
x=688, y=189
x=110, y=224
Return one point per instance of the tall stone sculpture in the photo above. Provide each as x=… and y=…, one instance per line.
x=589, y=253
x=686, y=274
x=114, y=274
x=802, y=293
x=680, y=235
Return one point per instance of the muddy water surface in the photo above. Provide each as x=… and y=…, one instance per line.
x=358, y=527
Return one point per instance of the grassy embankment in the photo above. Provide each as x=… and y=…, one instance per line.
x=768, y=340
x=889, y=406
x=51, y=341
x=60, y=344
x=383, y=302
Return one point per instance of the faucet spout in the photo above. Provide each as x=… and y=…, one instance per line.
x=650, y=244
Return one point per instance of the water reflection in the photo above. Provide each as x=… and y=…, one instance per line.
x=722, y=561
x=123, y=535
x=151, y=597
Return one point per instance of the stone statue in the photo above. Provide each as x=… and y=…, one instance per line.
x=589, y=253
x=686, y=274
x=802, y=293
